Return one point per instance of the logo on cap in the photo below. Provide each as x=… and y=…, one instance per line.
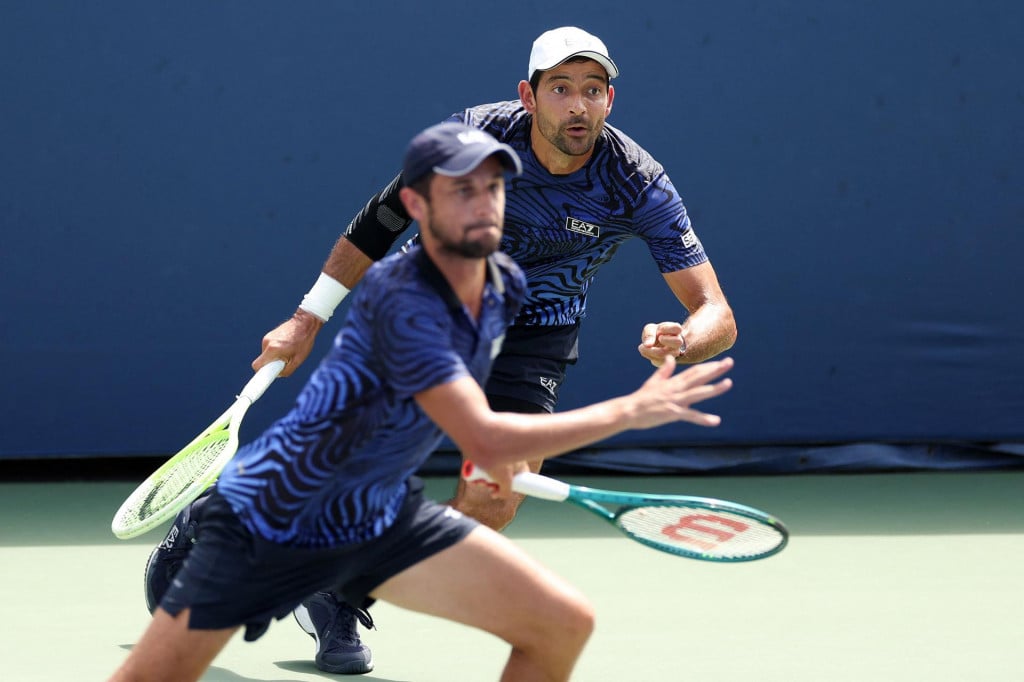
x=474, y=136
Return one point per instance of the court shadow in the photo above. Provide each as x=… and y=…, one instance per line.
x=216, y=674
x=307, y=667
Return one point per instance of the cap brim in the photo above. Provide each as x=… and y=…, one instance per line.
x=468, y=159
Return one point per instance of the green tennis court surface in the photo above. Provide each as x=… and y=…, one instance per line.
x=886, y=577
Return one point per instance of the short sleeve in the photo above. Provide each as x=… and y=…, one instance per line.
x=413, y=339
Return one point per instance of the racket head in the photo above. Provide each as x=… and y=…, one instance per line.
x=705, y=529
x=180, y=479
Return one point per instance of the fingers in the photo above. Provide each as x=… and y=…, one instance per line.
x=655, y=355
x=291, y=341
x=695, y=385
x=695, y=395
x=668, y=334
x=497, y=480
x=649, y=335
x=701, y=418
x=502, y=476
x=704, y=372
x=274, y=350
x=694, y=375
x=706, y=392
x=658, y=341
x=268, y=356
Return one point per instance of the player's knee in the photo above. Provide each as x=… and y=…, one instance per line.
x=565, y=628
x=574, y=629
x=579, y=621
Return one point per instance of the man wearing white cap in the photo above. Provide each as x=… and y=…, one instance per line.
x=586, y=187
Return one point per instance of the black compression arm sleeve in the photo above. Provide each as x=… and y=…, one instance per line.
x=378, y=225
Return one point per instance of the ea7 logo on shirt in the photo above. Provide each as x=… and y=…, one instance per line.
x=589, y=229
x=550, y=384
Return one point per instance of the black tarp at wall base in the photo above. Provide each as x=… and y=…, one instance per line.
x=774, y=460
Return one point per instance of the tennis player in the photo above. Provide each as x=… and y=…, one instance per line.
x=586, y=188
x=326, y=499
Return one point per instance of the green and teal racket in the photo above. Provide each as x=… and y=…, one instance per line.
x=693, y=527
x=189, y=472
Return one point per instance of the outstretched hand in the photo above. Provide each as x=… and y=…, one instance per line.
x=291, y=341
x=667, y=397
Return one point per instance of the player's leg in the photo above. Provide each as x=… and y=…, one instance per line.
x=205, y=526
x=333, y=625
x=169, y=650
x=484, y=581
x=476, y=501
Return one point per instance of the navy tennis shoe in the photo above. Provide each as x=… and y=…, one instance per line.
x=334, y=626
x=167, y=557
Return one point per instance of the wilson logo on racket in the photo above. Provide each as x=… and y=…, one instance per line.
x=702, y=524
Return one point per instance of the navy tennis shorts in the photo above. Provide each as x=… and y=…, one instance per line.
x=232, y=577
x=531, y=366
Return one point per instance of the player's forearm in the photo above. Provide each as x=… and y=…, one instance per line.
x=368, y=238
x=347, y=263
x=511, y=437
x=709, y=331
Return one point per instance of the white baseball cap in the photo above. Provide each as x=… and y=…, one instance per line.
x=559, y=44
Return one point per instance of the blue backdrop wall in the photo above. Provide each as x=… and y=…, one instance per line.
x=173, y=176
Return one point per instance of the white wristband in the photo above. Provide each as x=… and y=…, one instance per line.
x=324, y=297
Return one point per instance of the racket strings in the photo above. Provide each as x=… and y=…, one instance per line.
x=696, y=531
x=179, y=478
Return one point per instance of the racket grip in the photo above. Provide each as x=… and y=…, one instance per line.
x=477, y=476
x=524, y=483
x=261, y=381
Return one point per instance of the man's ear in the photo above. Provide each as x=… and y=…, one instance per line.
x=415, y=204
x=526, y=97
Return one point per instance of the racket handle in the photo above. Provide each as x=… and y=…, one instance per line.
x=261, y=381
x=524, y=483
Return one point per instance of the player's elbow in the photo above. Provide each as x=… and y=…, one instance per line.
x=727, y=331
x=731, y=332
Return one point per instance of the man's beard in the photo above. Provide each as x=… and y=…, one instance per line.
x=466, y=248
x=570, y=146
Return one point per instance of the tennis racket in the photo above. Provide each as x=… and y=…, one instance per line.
x=189, y=472
x=693, y=527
